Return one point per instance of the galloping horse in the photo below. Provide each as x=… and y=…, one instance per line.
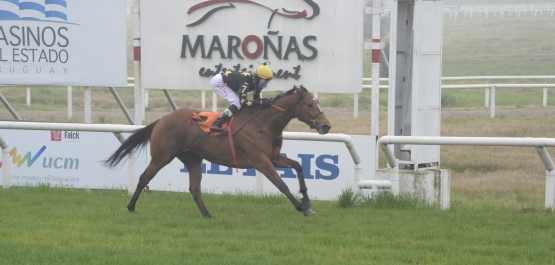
x=257, y=136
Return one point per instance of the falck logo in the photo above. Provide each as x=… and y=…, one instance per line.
x=56, y=136
x=275, y=11
x=48, y=10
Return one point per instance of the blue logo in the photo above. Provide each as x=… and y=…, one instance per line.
x=39, y=10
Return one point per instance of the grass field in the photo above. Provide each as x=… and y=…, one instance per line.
x=497, y=198
x=45, y=225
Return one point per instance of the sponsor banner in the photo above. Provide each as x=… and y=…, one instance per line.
x=64, y=159
x=63, y=42
x=316, y=43
x=72, y=159
x=328, y=169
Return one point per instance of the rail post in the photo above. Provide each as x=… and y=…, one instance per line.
x=545, y=95
x=492, y=105
x=69, y=102
x=550, y=190
x=6, y=173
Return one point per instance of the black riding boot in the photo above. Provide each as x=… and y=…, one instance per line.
x=217, y=126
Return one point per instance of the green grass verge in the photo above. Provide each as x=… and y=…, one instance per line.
x=43, y=225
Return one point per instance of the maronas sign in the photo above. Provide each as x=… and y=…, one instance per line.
x=317, y=43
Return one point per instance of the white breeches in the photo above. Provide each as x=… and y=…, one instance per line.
x=224, y=91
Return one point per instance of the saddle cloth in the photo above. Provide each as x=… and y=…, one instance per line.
x=205, y=119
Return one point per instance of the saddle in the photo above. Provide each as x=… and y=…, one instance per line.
x=205, y=119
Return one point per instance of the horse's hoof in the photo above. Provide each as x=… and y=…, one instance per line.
x=309, y=212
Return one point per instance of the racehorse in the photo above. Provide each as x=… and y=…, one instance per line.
x=256, y=137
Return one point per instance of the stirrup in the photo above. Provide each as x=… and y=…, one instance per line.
x=216, y=129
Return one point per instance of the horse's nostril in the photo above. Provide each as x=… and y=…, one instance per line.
x=326, y=128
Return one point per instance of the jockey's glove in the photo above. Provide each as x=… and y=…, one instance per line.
x=266, y=102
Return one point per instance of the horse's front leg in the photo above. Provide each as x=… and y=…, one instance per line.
x=266, y=167
x=283, y=161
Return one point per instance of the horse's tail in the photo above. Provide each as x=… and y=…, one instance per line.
x=137, y=140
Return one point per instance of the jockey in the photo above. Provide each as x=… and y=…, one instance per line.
x=234, y=86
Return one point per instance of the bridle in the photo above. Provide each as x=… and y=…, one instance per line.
x=310, y=121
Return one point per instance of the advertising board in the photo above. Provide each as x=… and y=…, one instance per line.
x=317, y=43
x=72, y=159
x=63, y=42
x=64, y=159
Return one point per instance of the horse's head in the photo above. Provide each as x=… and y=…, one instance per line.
x=306, y=108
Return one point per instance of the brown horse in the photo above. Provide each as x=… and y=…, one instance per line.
x=257, y=136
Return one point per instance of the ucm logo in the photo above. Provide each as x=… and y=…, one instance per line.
x=29, y=158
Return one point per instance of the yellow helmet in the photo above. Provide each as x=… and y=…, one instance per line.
x=264, y=72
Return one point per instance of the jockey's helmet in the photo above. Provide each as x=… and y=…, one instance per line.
x=263, y=71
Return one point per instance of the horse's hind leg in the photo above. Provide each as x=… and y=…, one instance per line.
x=194, y=165
x=149, y=173
x=283, y=161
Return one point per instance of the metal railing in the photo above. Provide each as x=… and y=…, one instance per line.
x=487, y=84
x=539, y=144
x=501, y=10
x=490, y=88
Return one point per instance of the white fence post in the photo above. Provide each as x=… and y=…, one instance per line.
x=487, y=97
x=214, y=102
x=545, y=95
x=492, y=96
x=88, y=106
x=355, y=106
x=28, y=96
x=550, y=189
x=69, y=103
x=146, y=97
x=6, y=166
x=203, y=99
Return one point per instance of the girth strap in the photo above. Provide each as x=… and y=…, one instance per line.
x=231, y=143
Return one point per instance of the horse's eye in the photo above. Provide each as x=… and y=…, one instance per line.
x=310, y=106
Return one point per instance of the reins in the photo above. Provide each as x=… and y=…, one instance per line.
x=310, y=122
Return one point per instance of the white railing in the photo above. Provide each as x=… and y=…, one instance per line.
x=496, y=10
x=539, y=145
x=487, y=85
x=501, y=10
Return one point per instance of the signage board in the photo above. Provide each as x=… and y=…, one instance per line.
x=315, y=43
x=63, y=42
x=72, y=159
x=64, y=159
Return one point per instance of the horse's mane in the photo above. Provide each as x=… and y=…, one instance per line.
x=291, y=91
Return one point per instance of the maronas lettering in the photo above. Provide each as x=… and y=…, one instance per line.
x=239, y=48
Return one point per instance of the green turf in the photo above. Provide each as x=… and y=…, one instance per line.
x=42, y=225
